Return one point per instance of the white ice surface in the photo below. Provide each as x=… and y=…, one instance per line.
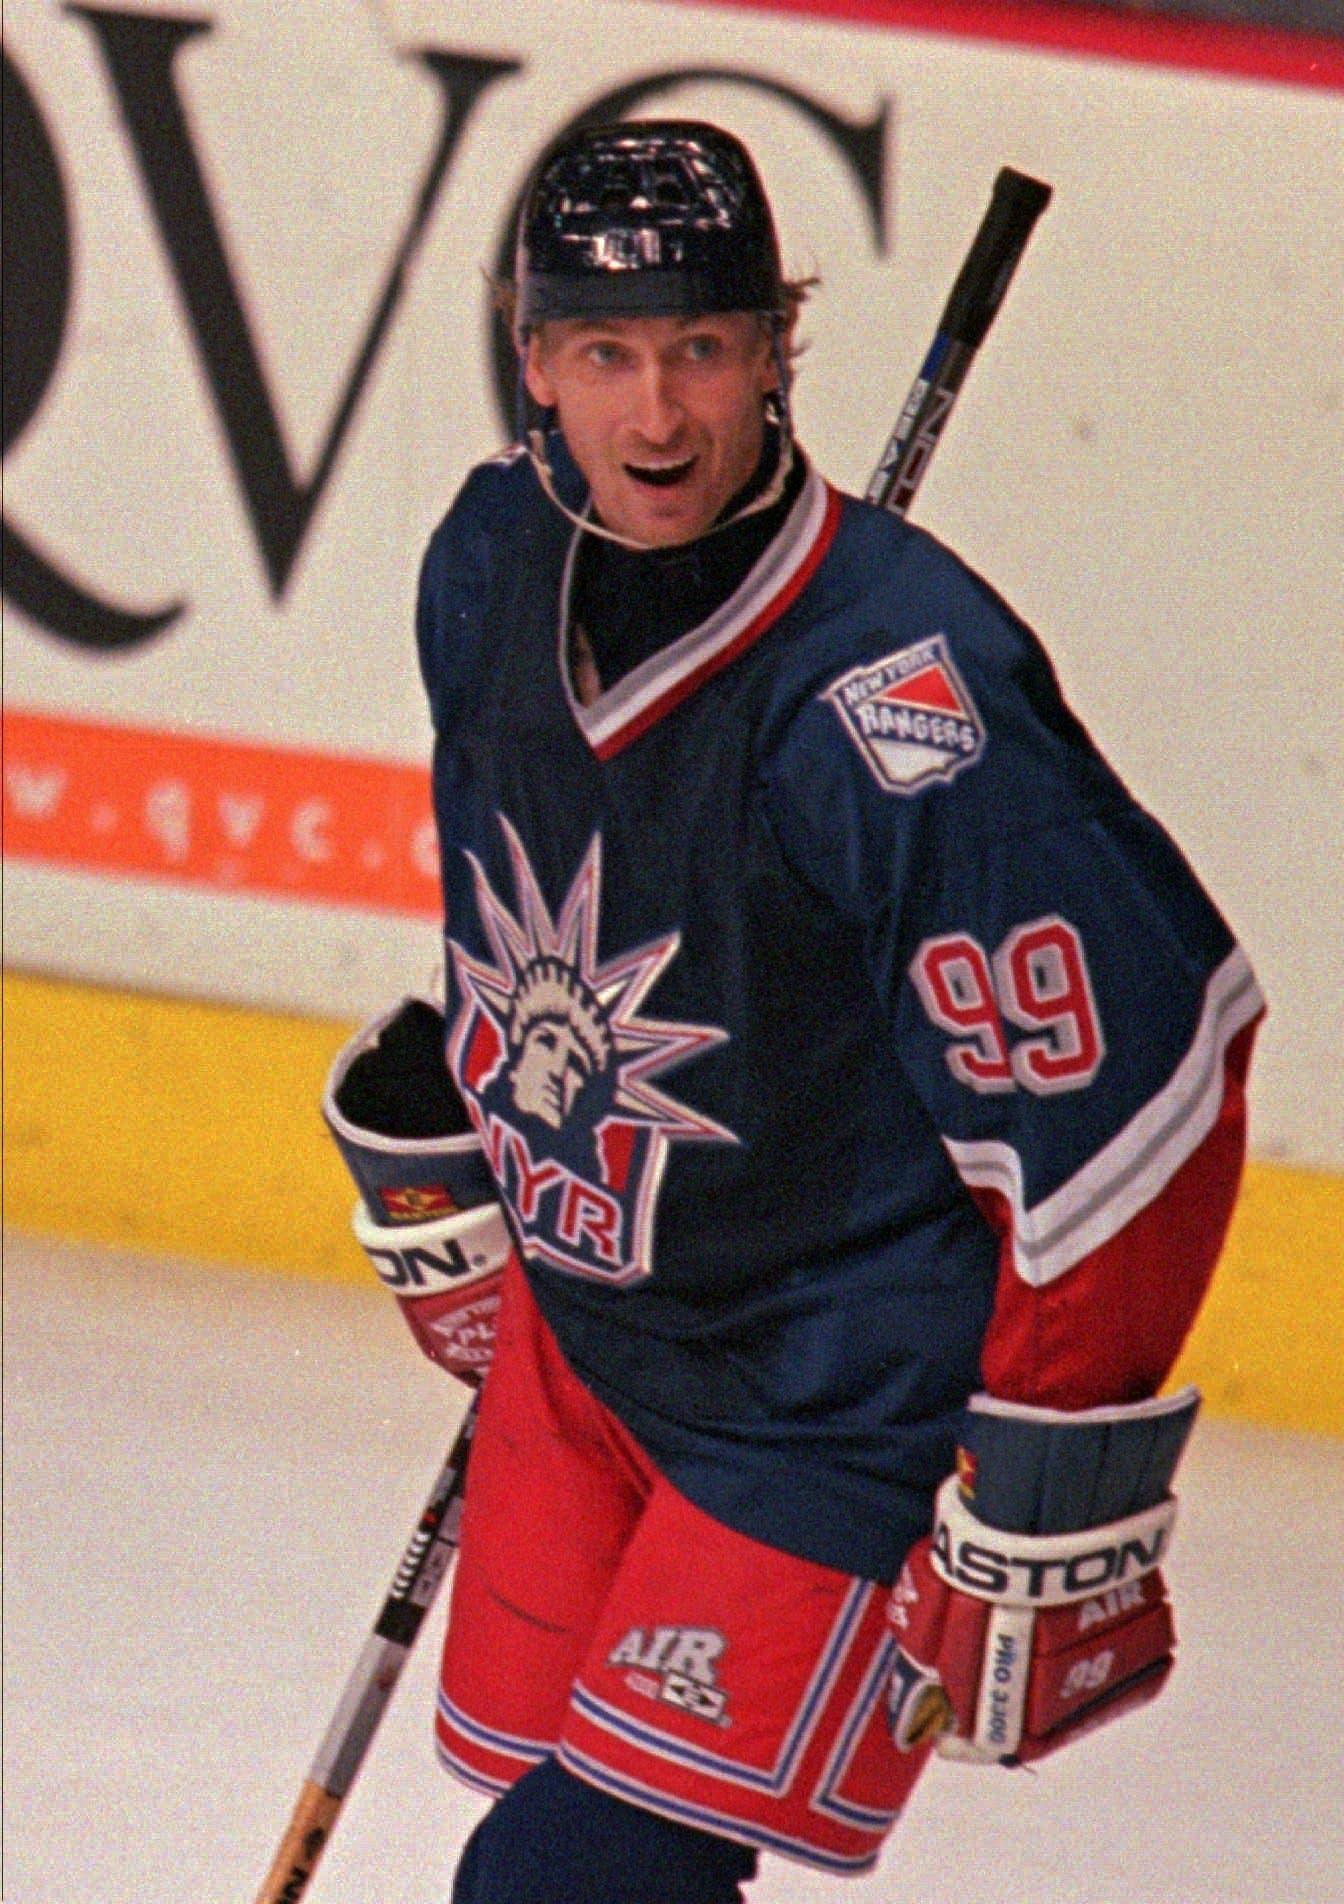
x=210, y=1477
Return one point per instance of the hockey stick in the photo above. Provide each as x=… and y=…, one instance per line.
x=370, y=1686
x=1016, y=204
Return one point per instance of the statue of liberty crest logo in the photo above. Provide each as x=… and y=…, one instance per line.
x=557, y=1064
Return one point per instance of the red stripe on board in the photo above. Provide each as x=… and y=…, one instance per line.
x=1212, y=46
x=206, y=811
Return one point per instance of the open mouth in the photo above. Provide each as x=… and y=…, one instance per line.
x=660, y=475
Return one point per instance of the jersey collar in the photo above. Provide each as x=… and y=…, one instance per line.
x=665, y=680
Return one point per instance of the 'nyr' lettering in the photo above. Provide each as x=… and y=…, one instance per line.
x=556, y=1063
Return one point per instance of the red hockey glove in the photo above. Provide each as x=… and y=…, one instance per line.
x=428, y=1216
x=446, y=1276
x=1037, y=1608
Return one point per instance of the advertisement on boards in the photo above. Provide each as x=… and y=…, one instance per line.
x=250, y=353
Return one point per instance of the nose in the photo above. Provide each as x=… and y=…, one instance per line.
x=657, y=412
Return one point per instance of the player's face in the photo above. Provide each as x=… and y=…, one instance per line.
x=663, y=415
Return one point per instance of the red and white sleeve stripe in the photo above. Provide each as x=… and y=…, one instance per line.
x=1100, y=1282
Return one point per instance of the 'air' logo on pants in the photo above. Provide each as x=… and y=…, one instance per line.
x=676, y=1664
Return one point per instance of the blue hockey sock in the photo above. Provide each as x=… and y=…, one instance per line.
x=552, y=1839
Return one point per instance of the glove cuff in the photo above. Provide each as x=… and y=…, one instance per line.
x=403, y=1131
x=1047, y=1471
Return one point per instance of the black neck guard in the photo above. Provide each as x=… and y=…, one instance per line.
x=630, y=603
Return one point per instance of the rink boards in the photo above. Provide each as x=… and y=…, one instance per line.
x=254, y=368
x=193, y=1130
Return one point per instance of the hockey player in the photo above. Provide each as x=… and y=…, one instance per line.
x=858, y=1069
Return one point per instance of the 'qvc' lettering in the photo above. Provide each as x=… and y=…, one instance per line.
x=141, y=53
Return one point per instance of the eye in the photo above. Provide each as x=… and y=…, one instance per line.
x=603, y=353
x=703, y=347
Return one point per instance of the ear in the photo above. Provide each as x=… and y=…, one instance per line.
x=539, y=386
x=770, y=357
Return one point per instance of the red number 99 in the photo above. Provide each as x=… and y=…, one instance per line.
x=1039, y=980
x=1044, y=986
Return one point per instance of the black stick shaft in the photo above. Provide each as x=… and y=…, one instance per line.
x=1015, y=204
x=428, y=1556
x=369, y=1689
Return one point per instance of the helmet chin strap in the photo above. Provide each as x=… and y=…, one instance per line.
x=535, y=437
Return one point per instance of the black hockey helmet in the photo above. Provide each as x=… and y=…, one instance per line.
x=646, y=218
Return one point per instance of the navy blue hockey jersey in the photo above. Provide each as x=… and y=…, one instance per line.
x=842, y=1036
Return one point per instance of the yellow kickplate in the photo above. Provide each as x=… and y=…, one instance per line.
x=1269, y=1342
x=187, y=1129
x=173, y=1127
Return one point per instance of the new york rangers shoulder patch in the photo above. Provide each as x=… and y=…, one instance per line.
x=911, y=716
